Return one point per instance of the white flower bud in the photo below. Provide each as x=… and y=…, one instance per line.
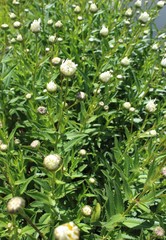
x=47, y=49
x=92, y=180
x=101, y=104
x=17, y=24
x=3, y=147
x=86, y=211
x=67, y=231
x=132, y=109
x=105, y=76
x=125, y=61
x=52, y=39
x=68, y=68
x=50, y=22
x=35, y=144
x=155, y=46
x=106, y=107
x=56, y=60
x=51, y=87
x=129, y=12
x=19, y=38
x=80, y=18
x=93, y=8
x=15, y=204
x=127, y=105
x=144, y=17
x=151, y=106
x=153, y=132
x=13, y=40
x=81, y=95
x=160, y=4
x=17, y=141
x=52, y=162
x=159, y=231
x=163, y=171
x=82, y=152
x=59, y=39
x=58, y=24
x=15, y=2
x=35, y=26
x=138, y=3
x=104, y=31
x=4, y=26
x=77, y=9
x=28, y=95
x=12, y=15
x=119, y=76
x=163, y=62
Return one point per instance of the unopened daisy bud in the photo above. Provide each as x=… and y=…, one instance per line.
x=80, y=18
x=15, y=2
x=82, y=152
x=132, y=109
x=3, y=147
x=105, y=76
x=144, y=17
x=58, y=24
x=12, y=15
x=51, y=87
x=59, y=39
x=52, y=39
x=119, y=76
x=160, y=4
x=151, y=106
x=50, y=22
x=35, y=144
x=153, y=132
x=159, y=231
x=42, y=110
x=19, y=38
x=86, y=211
x=10, y=226
x=52, y=162
x=47, y=49
x=13, y=40
x=138, y=3
x=163, y=171
x=81, y=95
x=101, y=104
x=67, y=231
x=155, y=46
x=93, y=8
x=125, y=61
x=163, y=62
x=17, y=141
x=4, y=26
x=15, y=204
x=28, y=95
x=92, y=180
x=17, y=24
x=106, y=107
x=128, y=12
x=127, y=105
x=77, y=9
x=55, y=60
x=104, y=31
x=68, y=68
x=35, y=26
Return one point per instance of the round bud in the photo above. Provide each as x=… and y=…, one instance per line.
x=52, y=162
x=15, y=204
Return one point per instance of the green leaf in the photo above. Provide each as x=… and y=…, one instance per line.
x=114, y=221
x=96, y=213
x=133, y=222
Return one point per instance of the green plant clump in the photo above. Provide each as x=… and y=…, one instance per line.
x=82, y=120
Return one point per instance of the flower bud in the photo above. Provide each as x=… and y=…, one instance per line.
x=51, y=87
x=35, y=26
x=93, y=8
x=160, y=4
x=68, y=68
x=163, y=171
x=153, y=132
x=19, y=38
x=12, y=15
x=56, y=60
x=77, y=9
x=163, y=62
x=35, y=144
x=81, y=95
x=104, y=31
x=138, y=3
x=4, y=26
x=82, y=152
x=125, y=61
x=105, y=76
x=15, y=204
x=58, y=24
x=92, y=180
x=52, y=162
x=67, y=231
x=28, y=95
x=144, y=17
x=128, y=12
x=50, y=22
x=86, y=211
x=132, y=109
x=3, y=147
x=17, y=24
x=127, y=105
x=52, y=39
x=151, y=106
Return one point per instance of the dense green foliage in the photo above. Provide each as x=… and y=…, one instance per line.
x=120, y=175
